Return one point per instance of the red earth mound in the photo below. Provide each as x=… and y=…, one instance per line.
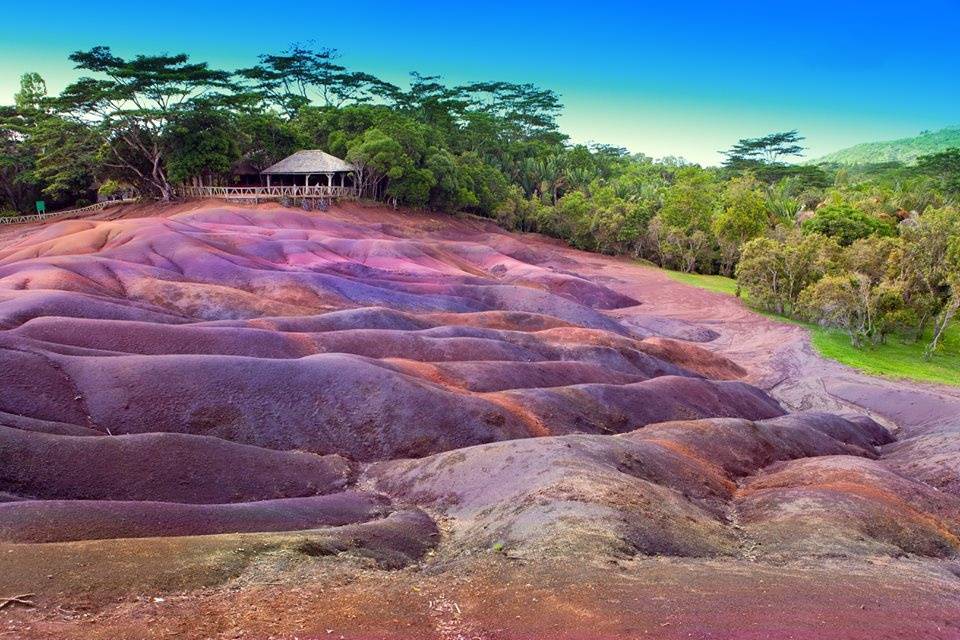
x=667, y=489
x=163, y=467
x=62, y=520
x=233, y=403
x=288, y=331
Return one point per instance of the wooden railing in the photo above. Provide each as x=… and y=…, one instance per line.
x=269, y=193
x=41, y=217
x=256, y=194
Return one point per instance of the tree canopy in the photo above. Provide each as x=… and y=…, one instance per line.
x=768, y=149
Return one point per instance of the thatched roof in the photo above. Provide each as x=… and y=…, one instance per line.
x=310, y=161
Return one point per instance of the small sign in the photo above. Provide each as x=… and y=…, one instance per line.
x=41, y=206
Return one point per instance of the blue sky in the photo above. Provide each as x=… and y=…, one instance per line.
x=662, y=78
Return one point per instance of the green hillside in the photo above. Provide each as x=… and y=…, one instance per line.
x=904, y=150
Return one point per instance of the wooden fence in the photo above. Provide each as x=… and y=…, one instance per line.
x=256, y=194
x=41, y=217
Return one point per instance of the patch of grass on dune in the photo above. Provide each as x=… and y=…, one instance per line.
x=896, y=358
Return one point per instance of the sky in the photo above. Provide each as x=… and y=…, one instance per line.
x=665, y=79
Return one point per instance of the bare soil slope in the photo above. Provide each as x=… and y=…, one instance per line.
x=218, y=421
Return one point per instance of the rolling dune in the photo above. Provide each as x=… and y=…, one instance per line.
x=264, y=392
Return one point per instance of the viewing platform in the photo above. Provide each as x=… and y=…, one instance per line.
x=256, y=194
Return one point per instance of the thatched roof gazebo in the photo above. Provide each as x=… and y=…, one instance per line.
x=307, y=175
x=299, y=168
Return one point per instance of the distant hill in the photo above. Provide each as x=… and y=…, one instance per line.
x=904, y=150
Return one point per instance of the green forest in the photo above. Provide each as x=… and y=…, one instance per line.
x=872, y=249
x=906, y=150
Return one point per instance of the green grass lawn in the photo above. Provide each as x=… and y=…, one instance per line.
x=895, y=359
x=717, y=284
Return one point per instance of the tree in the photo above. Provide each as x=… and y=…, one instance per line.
x=742, y=216
x=774, y=271
x=930, y=265
x=264, y=138
x=133, y=103
x=390, y=160
x=527, y=110
x=769, y=149
x=18, y=151
x=874, y=256
x=43, y=155
x=945, y=166
x=518, y=211
x=866, y=310
x=304, y=73
x=377, y=157
x=846, y=223
x=688, y=206
x=66, y=164
x=486, y=184
x=571, y=218
x=618, y=224
x=840, y=301
x=952, y=304
x=201, y=143
x=688, y=203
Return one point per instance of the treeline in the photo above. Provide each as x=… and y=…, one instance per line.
x=149, y=123
x=877, y=285
x=846, y=247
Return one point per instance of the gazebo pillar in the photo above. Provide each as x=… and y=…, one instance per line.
x=268, y=180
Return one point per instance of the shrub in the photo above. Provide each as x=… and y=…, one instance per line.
x=846, y=223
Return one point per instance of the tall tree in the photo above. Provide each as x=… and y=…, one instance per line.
x=531, y=111
x=134, y=102
x=18, y=151
x=305, y=74
x=768, y=149
x=742, y=216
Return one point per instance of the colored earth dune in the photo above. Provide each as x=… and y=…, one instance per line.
x=206, y=405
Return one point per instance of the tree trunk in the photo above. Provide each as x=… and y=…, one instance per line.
x=941, y=325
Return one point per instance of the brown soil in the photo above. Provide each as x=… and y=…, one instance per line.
x=255, y=357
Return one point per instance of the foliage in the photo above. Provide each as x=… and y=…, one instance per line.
x=134, y=102
x=874, y=287
x=18, y=152
x=876, y=254
x=201, y=143
x=902, y=151
x=896, y=357
x=846, y=223
x=945, y=167
x=743, y=216
x=298, y=76
x=110, y=188
x=774, y=271
x=839, y=301
x=768, y=149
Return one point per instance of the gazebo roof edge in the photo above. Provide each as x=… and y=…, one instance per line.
x=309, y=161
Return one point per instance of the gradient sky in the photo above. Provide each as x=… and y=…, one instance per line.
x=666, y=78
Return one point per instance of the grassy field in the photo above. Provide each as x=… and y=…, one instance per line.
x=718, y=284
x=895, y=359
